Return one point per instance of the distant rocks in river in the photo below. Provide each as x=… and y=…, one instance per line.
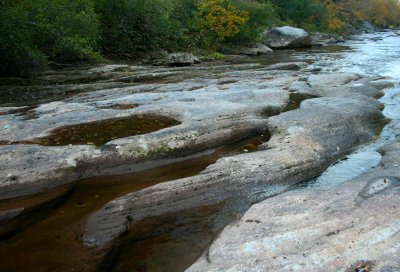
x=253, y=50
x=258, y=49
x=322, y=39
x=181, y=59
x=287, y=37
x=291, y=37
x=162, y=57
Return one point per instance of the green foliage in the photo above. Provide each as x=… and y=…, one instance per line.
x=129, y=26
x=262, y=15
x=383, y=13
x=64, y=29
x=303, y=13
x=17, y=55
x=33, y=32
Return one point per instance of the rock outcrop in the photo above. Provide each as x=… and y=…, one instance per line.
x=287, y=37
x=354, y=224
x=213, y=114
x=304, y=143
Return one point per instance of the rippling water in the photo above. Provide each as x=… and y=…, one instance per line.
x=375, y=54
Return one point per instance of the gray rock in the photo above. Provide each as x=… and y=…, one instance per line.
x=287, y=37
x=304, y=143
x=339, y=84
x=31, y=169
x=211, y=117
x=259, y=49
x=181, y=59
x=325, y=229
x=331, y=41
x=322, y=39
x=340, y=39
x=293, y=66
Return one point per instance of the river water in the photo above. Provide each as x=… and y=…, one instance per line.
x=48, y=240
x=370, y=55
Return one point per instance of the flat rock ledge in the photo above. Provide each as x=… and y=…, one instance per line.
x=213, y=112
x=347, y=227
x=304, y=142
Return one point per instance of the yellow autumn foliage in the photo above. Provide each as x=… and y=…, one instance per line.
x=335, y=12
x=222, y=18
x=380, y=12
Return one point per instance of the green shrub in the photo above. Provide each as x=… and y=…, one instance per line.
x=33, y=32
x=303, y=13
x=17, y=54
x=131, y=26
x=261, y=17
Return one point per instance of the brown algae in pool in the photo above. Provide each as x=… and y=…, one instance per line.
x=101, y=132
x=167, y=243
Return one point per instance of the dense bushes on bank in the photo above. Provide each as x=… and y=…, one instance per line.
x=33, y=33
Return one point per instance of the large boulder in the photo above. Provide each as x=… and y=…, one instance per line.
x=287, y=37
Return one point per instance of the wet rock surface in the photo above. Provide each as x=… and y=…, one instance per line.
x=224, y=107
x=331, y=229
x=303, y=143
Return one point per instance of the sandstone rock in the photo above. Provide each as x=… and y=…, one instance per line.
x=210, y=118
x=325, y=229
x=287, y=37
x=31, y=169
x=304, y=142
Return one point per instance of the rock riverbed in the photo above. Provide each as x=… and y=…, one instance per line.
x=200, y=108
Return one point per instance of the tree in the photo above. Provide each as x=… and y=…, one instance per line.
x=222, y=18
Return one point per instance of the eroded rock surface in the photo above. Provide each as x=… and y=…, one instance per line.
x=304, y=143
x=222, y=106
x=352, y=224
